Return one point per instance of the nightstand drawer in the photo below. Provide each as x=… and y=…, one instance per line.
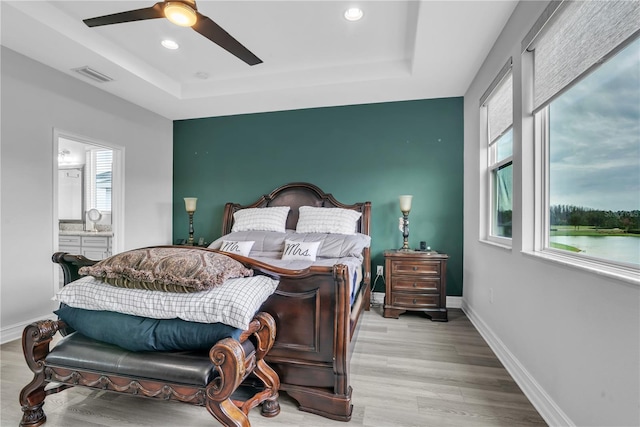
x=416, y=267
x=416, y=284
x=415, y=301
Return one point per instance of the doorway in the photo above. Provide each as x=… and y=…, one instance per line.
x=88, y=185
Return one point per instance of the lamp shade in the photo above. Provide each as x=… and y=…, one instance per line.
x=190, y=203
x=405, y=203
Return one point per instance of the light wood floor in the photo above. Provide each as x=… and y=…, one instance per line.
x=405, y=372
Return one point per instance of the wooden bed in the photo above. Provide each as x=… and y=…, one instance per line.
x=316, y=323
x=312, y=314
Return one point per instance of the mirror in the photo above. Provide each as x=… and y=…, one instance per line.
x=93, y=216
x=70, y=194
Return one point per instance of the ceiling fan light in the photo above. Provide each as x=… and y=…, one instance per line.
x=180, y=14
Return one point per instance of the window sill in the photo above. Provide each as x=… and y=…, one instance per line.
x=623, y=274
x=500, y=245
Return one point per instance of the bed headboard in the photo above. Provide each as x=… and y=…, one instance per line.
x=295, y=195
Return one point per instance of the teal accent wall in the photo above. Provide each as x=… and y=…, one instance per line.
x=372, y=152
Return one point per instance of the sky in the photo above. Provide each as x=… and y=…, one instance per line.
x=595, y=137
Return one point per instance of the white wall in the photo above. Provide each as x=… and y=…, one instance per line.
x=570, y=338
x=35, y=100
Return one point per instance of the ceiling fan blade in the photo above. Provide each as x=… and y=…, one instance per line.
x=216, y=34
x=156, y=11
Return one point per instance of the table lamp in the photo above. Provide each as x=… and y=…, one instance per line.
x=190, y=206
x=405, y=207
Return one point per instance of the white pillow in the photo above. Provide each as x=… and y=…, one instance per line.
x=235, y=247
x=327, y=220
x=305, y=251
x=261, y=219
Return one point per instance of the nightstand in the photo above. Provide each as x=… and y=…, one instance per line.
x=416, y=281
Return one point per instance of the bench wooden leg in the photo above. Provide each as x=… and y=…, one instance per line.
x=32, y=413
x=265, y=337
x=35, y=347
x=228, y=357
x=227, y=413
x=271, y=406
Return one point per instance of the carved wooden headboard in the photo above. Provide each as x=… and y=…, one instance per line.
x=295, y=195
x=298, y=194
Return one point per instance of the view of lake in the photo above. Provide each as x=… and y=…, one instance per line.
x=617, y=248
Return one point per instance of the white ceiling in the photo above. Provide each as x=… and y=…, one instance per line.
x=313, y=57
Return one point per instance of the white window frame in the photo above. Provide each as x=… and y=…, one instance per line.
x=542, y=222
x=91, y=186
x=541, y=247
x=494, y=167
x=490, y=166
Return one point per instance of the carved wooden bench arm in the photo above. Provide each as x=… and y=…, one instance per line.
x=35, y=346
x=262, y=330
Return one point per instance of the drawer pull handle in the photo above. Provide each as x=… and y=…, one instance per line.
x=414, y=300
x=414, y=285
x=415, y=268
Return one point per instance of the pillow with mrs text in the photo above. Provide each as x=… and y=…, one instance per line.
x=304, y=251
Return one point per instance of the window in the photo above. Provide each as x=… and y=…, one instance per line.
x=497, y=113
x=586, y=94
x=99, y=179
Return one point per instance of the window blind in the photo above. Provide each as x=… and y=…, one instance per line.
x=582, y=35
x=499, y=106
x=103, y=162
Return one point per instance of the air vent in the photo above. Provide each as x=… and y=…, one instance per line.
x=92, y=74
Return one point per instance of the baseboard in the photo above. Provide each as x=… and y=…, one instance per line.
x=377, y=297
x=454, y=302
x=548, y=409
x=14, y=332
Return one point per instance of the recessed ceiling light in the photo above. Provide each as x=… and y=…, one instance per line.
x=170, y=44
x=353, y=14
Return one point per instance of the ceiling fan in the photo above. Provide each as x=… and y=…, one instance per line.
x=183, y=13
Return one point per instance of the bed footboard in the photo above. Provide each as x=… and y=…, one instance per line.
x=312, y=351
x=316, y=331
